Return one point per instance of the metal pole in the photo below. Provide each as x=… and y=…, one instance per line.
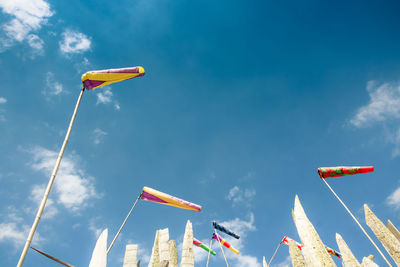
x=354, y=218
x=122, y=226
x=50, y=184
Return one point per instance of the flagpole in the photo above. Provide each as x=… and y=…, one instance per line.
x=53, y=258
x=122, y=226
x=209, y=252
x=222, y=249
x=273, y=256
x=354, y=218
x=50, y=184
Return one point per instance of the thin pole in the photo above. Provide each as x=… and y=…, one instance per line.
x=209, y=252
x=354, y=218
x=53, y=258
x=273, y=256
x=222, y=250
x=50, y=184
x=122, y=226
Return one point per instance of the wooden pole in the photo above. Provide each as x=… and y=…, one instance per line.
x=222, y=250
x=50, y=184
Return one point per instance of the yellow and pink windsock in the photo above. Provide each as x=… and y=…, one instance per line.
x=151, y=194
x=224, y=242
x=98, y=78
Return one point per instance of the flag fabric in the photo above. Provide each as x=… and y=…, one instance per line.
x=201, y=245
x=224, y=242
x=151, y=194
x=223, y=229
x=98, y=78
x=286, y=240
x=333, y=252
x=327, y=172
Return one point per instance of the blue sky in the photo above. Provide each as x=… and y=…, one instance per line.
x=240, y=104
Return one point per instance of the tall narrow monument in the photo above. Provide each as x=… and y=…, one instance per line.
x=155, y=255
x=130, y=259
x=163, y=246
x=348, y=258
x=173, y=253
x=187, y=247
x=314, y=250
x=388, y=240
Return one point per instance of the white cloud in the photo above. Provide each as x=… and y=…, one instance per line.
x=383, y=108
x=99, y=135
x=12, y=232
x=241, y=227
x=53, y=87
x=2, y=101
x=29, y=15
x=74, y=42
x=238, y=195
x=394, y=199
x=384, y=104
x=104, y=96
x=73, y=188
x=35, y=42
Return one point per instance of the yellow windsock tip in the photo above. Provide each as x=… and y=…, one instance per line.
x=141, y=70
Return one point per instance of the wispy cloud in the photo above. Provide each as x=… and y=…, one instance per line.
x=73, y=187
x=14, y=233
x=394, y=199
x=28, y=16
x=238, y=195
x=384, y=104
x=74, y=42
x=104, y=96
x=53, y=87
x=98, y=135
x=2, y=101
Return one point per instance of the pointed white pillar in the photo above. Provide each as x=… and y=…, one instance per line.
x=314, y=250
x=388, y=240
x=173, y=253
x=99, y=255
x=187, y=247
x=349, y=260
x=155, y=255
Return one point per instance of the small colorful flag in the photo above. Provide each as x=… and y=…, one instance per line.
x=223, y=229
x=224, y=242
x=333, y=252
x=286, y=240
x=327, y=172
x=150, y=194
x=98, y=78
x=201, y=245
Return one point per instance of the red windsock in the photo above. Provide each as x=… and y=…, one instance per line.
x=327, y=172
